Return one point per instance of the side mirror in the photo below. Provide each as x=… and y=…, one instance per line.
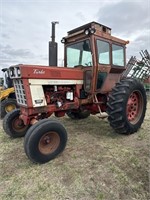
x=86, y=46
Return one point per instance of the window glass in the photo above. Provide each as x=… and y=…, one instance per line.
x=79, y=54
x=117, y=55
x=103, y=52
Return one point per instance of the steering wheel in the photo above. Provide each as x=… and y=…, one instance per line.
x=88, y=64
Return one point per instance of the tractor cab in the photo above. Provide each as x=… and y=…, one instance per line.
x=102, y=56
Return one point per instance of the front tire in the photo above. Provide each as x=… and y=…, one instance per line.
x=126, y=106
x=45, y=141
x=13, y=125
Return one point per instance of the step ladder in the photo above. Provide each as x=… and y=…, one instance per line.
x=101, y=114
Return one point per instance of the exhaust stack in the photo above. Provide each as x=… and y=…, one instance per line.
x=53, y=47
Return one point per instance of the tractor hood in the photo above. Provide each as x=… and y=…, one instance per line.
x=45, y=72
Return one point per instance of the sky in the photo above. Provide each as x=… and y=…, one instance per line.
x=25, y=26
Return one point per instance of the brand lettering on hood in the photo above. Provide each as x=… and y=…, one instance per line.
x=38, y=71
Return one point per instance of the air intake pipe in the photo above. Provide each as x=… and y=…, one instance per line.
x=53, y=47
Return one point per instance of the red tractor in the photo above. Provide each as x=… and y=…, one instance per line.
x=90, y=83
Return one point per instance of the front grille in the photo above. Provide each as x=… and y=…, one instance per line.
x=20, y=92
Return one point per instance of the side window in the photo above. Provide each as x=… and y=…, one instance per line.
x=118, y=55
x=103, y=52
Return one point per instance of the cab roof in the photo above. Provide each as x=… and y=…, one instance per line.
x=93, y=24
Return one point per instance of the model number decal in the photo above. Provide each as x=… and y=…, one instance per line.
x=38, y=71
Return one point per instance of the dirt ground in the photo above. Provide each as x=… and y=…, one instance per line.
x=97, y=164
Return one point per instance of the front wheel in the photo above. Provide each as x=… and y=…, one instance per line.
x=45, y=141
x=126, y=106
x=13, y=125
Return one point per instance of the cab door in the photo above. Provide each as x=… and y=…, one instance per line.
x=103, y=62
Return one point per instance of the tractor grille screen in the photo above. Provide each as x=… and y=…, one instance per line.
x=20, y=92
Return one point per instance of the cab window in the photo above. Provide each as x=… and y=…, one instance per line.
x=117, y=55
x=103, y=52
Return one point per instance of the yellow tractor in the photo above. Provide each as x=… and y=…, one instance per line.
x=7, y=95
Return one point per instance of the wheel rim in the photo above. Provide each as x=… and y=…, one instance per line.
x=18, y=125
x=134, y=107
x=10, y=107
x=49, y=142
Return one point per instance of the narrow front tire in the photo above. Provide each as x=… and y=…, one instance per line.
x=45, y=141
x=13, y=125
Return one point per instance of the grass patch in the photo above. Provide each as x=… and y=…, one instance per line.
x=97, y=164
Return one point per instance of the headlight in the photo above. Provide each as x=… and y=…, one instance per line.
x=89, y=31
x=92, y=30
x=63, y=40
x=86, y=31
x=11, y=72
x=18, y=72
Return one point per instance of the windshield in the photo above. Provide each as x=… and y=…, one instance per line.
x=79, y=54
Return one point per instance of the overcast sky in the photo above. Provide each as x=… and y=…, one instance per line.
x=25, y=25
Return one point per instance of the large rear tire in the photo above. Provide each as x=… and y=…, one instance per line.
x=13, y=125
x=45, y=141
x=8, y=105
x=126, y=106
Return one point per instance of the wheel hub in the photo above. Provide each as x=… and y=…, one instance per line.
x=18, y=125
x=49, y=142
x=133, y=107
x=9, y=108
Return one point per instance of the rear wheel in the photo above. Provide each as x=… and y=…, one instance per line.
x=8, y=105
x=126, y=106
x=45, y=141
x=13, y=125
